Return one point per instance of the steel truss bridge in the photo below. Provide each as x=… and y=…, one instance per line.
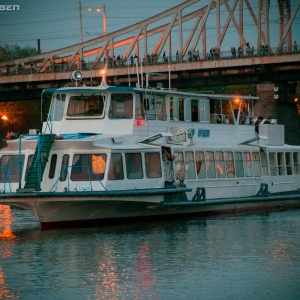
x=147, y=48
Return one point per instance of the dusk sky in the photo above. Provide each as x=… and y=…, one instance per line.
x=56, y=22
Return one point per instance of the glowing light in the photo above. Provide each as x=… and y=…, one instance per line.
x=98, y=9
x=89, y=9
x=103, y=72
x=237, y=100
x=295, y=99
x=4, y=118
x=139, y=122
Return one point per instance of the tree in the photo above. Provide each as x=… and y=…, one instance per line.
x=21, y=116
x=11, y=52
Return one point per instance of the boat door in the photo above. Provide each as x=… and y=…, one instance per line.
x=168, y=168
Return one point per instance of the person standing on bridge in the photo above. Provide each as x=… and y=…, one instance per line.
x=295, y=47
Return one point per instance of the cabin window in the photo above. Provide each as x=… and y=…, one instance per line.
x=134, y=169
x=195, y=110
x=289, y=163
x=139, y=108
x=281, y=163
x=86, y=106
x=57, y=107
x=179, y=166
x=190, y=165
x=296, y=158
x=239, y=170
x=115, y=171
x=121, y=106
x=155, y=106
x=220, y=165
x=210, y=164
x=29, y=163
x=264, y=164
x=153, y=165
x=10, y=168
x=181, y=109
x=52, y=166
x=247, y=164
x=200, y=165
x=256, y=164
x=88, y=167
x=273, y=163
x=64, y=167
x=230, y=167
x=184, y=109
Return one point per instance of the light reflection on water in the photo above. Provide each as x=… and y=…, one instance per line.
x=242, y=257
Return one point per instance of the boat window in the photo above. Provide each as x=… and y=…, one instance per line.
x=289, y=163
x=296, y=159
x=230, y=168
x=155, y=107
x=190, y=165
x=184, y=109
x=139, y=107
x=86, y=106
x=239, y=170
x=247, y=164
x=134, y=168
x=179, y=166
x=256, y=164
x=115, y=171
x=10, y=168
x=210, y=164
x=281, y=163
x=220, y=165
x=195, y=110
x=29, y=163
x=264, y=164
x=273, y=163
x=121, y=106
x=181, y=109
x=88, y=167
x=153, y=165
x=52, y=166
x=64, y=167
x=57, y=107
x=200, y=165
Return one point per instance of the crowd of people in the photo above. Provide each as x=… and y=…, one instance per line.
x=62, y=65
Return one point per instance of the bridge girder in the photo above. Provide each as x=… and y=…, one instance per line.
x=128, y=41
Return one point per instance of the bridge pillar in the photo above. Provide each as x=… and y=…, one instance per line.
x=282, y=109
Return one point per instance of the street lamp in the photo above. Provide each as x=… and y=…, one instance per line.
x=91, y=9
x=104, y=16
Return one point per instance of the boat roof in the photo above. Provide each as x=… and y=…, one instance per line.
x=84, y=89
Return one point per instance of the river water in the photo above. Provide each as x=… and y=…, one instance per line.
x=241, y=257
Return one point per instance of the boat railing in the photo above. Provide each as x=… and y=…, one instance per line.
x=66, y=172
x=48, y=125
x=6, y=180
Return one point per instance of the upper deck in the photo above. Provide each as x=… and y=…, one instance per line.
x=119, y=111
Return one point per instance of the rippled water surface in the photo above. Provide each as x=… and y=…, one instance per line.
x=242, y=257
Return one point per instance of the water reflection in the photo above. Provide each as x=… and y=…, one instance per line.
x=7, y=238
x=216, y=258
x=144, y=271
x=6, y=220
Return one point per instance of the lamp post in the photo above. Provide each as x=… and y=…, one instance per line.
x=104, y=16
x=91, y=9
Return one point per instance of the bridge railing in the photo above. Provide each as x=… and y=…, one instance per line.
x=119, y=62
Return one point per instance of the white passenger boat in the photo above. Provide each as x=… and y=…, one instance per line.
x=111, y=154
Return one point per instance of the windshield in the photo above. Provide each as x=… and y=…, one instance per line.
x=86, y=105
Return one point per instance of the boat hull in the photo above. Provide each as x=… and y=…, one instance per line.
x=85, y=210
